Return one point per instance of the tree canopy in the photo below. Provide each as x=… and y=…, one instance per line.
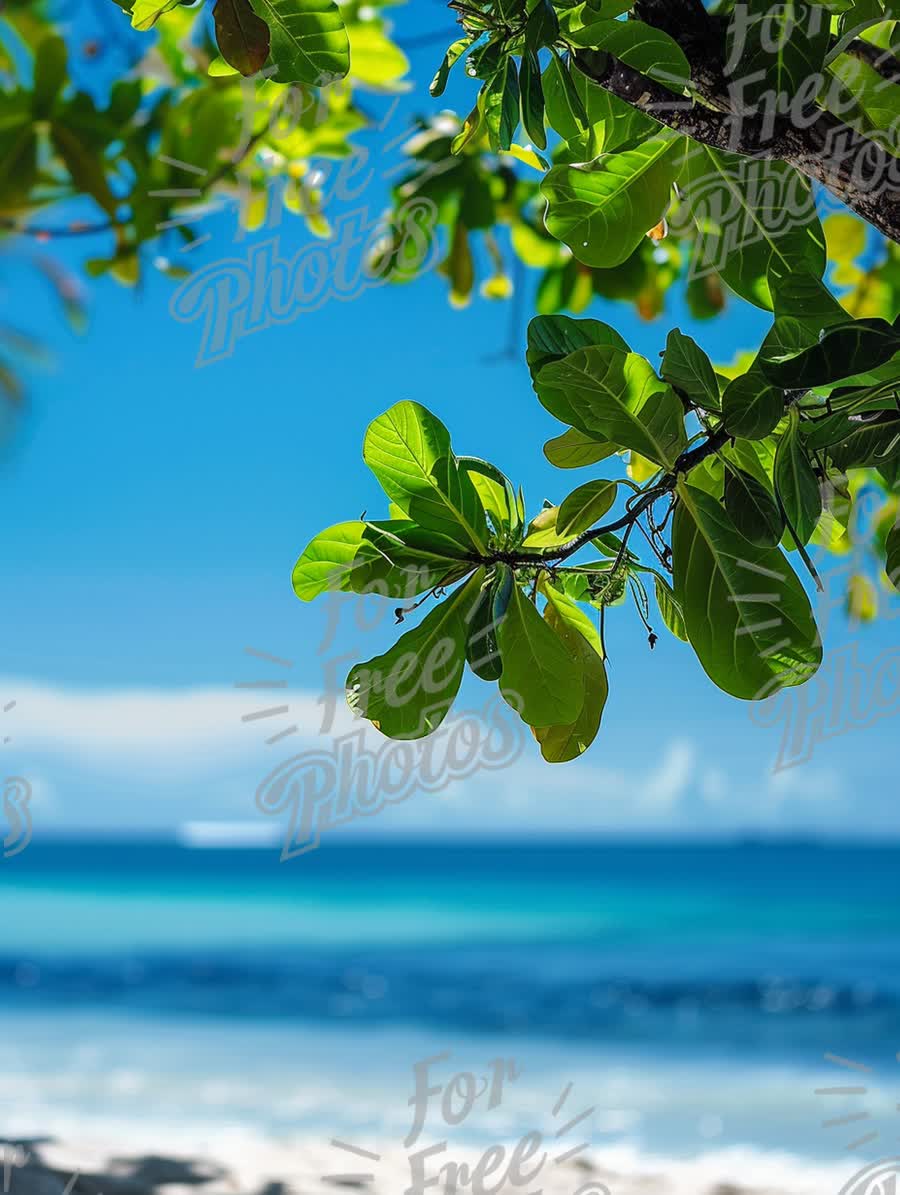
x=624, y=150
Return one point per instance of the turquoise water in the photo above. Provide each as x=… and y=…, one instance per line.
x=694, y=989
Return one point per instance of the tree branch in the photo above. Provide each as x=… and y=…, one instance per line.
x=687, y=461
x=882, y=61
x=54, y=233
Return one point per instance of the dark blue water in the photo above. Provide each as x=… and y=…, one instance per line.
x=780, y=951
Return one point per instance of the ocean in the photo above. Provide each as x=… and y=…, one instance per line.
x=699, y=999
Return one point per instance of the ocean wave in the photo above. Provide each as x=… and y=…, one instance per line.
x=452, y=989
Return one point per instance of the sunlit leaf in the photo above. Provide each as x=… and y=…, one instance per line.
x=602, y=209
x=862, y=599
x=408, y=450
x=408, y=690
x=670, y=609
x=573, y=450
x=584, y=507
x=613, y=395
x=309, y=43
x=559, y=744
x=541, y=680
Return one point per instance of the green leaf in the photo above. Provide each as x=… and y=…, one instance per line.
x=861, y=603
x=471, y=127
x=459, y=266
x=876, y=442
x=85, y=165
x=892, y=556
x=613, y=123
x=576, y=632
x=612, y=395
x=327, y=561
x=798, y=293
x=145, y=13
x=745, y=612
x=486, y=59
x=541, y=28
x=242, y=38
x=540, y=681
x=309, y=43
x=751, y=405
x=453, y=55
x=407, y=692
x=18, y=159
x=686, y=366
x=670, y=609
x=565, y=110
x=795, y=482
x=400, y=560
x=408, y=450
x=640, y=46
x=577, y=16
x=841, y=352
x=49, y=75
x=602, y=209
x=501, y=105
x=551, y=337
x=584, y=507
x=482, y=652
x=498, y=497
x=394, y=557
x=752, y=508
x=573, y=450
x=750, y=215
x=845, y=237
x=375, y=60
x=532, y=99
x=777, y=49
x=541, y=531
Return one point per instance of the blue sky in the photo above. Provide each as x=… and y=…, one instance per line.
x=154, y=511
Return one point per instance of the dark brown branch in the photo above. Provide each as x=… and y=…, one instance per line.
x=54, y=233
x=882, y=61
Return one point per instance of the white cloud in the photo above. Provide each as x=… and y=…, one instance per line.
x=668, y=782
x=156, y=758
x=154, y=728
x=804, y=783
